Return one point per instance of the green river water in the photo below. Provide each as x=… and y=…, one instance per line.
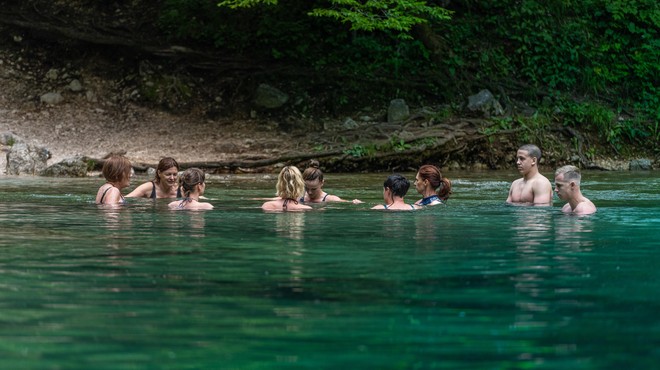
x=475, y=284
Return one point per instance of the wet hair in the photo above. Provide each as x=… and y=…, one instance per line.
x=190, y=178
x=441, y=185
x=571, y=173
x=532, y=150
x=116, y=168
x=398, y=184
x=312, y=172
x=290, y=183
x=164, y=165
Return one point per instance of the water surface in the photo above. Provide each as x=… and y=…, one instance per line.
x=474, y=284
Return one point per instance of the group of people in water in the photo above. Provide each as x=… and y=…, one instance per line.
x=296, y=190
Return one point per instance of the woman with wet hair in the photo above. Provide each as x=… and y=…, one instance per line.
x=165, y=183
x=290, y=188
x=435, y=188
x=395, y=188
x=192, y=185
x=117, y=171
x=313, y=177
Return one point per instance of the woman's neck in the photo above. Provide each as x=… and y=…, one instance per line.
x=428, y=193
x=397, y=200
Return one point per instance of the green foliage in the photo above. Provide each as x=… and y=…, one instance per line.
x=359, y=151
x=91, y=164
x=600, y=50
x=398, y=16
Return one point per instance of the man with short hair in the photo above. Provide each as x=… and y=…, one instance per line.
x=533, y=188
x=567, y=187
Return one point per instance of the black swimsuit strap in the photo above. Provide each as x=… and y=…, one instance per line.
x=105, y=191
x=153, y=190
x=286, y=201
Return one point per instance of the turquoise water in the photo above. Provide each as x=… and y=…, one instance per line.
x=475, y=284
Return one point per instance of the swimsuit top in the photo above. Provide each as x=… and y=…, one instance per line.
x=411, y=206
x=302, y=200
x=153, y=191
x=428, y=200
x=106, y=190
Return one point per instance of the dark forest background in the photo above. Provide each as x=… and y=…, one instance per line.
x=592, y=66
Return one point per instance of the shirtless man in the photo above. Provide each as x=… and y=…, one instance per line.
x=533, y=188
x=567, y=187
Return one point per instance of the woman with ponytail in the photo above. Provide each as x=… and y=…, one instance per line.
x=290, y=188
x=434, y=188
x=192, y=185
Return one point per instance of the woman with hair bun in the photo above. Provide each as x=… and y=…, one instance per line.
x=395, y=188
x=193, y=185
x=434, y=188
x=313, y=177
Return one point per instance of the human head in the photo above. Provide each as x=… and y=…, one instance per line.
x=117, y=169
x=397, y=184
x=164, y=165
x=570, y=174
x=191, y=178
x=532, y=150
x=527, y=159
x=567, y=182
x=313, y=177
x=430, y=175
x=290, y=183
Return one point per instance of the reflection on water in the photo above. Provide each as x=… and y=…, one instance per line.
x=475, y=284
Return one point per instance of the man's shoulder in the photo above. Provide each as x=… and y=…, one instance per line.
x=540, y=178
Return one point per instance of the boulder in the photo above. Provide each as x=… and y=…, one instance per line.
x=51, y=98
x=398, y=111
x=641, y=164
x=26, y=159
x=485, y=103
x=70, y=167
x=270, y=97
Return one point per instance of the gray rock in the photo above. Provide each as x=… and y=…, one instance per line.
x=349, y=124
x=151, y=172
x=611, y=165
x=9, y=138
x=26, y=159
x=485, y=103
x=70, y=167
x=270, y=97
x=51, y=98
x=52, y=74
x=397, y=111
x=75, y=86
x=641, y=164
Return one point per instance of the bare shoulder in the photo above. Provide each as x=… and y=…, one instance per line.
x=270, y=205
x=143, y=190
x=585, y=207
x=205, y=206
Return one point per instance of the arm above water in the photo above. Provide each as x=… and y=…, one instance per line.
x=142, y=191
x=542, y=192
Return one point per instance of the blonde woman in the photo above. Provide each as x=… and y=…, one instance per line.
x=117, y=171
x=290, y=188
x=193, y=185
